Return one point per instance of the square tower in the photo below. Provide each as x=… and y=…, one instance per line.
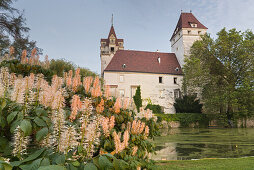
x=187, y=31
x=109, y=47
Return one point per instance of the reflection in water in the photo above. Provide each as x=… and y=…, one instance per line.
x=182, y=144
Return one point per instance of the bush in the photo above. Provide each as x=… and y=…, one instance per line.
x=68, y=124
x=185, y=119
x=137, y=99
x=188, y=104
x=155, y=108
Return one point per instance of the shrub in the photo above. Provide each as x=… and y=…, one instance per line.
x=155, y=108
x=73, y=123
x=188, y=104
x=137, y=99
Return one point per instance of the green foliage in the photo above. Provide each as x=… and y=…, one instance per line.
x=188, y=104
x=137, y=98
x=185, y=119
x=222, y=70
x=60, y=66
x=15, y=66
x=154, y=107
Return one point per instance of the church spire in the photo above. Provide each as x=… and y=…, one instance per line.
x=112, y=20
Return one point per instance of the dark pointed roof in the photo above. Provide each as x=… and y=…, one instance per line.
x=112, y=31
x=184, y=22
x=144, y=62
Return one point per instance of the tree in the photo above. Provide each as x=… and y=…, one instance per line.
x=60, y=66
x=13, y=30
x=222, y=71
x=137, y=99
x=188, y=104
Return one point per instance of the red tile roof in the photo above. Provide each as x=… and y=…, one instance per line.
x=145, y=62
x=184, y=22
x=112, y=31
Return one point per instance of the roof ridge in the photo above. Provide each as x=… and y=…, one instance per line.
x=147, y=51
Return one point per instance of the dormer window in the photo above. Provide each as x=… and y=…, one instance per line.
x=193, y=25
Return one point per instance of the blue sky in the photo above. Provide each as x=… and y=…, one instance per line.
x=72, y=29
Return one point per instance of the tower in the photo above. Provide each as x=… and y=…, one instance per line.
x=187, y=31
x=109, y=47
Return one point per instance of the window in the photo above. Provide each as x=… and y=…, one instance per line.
x=121, y=78
x=112, y=90
x=177, y=93
x=175, y=80
x=194, y=25
x=189, y=32
x=112, y=49
x=160, y=79
x=199, y=32
x=121, y=93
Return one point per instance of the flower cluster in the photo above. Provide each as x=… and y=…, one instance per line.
x=107, y=124
x=20, y=143
x=120, y=146
x=148, y=114
x=34, y=59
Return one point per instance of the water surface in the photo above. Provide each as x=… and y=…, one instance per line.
x=184, y=144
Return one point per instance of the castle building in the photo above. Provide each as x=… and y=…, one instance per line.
x=158, y=74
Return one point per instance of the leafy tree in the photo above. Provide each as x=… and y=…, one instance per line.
x=222, y=71
x=188, y=104
x=13, y=30
x=60, y=66
x=137, y=98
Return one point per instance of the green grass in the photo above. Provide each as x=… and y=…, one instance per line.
x=216, y=164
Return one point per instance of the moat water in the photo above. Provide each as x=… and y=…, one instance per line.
x=186, y=144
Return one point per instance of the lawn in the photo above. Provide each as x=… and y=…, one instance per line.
x=217, y=164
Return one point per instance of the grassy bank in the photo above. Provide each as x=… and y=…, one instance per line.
x=223, y=164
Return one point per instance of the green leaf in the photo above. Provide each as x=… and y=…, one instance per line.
x=45, y=162
x=33, y=156
x=40, y=122
x=60, y=160
x=11, y=116
x=14, y=125
x=120, y=164
x=3, y=104
x=76, y=163
x=41, y=134
x=104, y=162
x=39, y=111
x=5, y=165
x=90, y=166
x=26, y=127
x=52, y=167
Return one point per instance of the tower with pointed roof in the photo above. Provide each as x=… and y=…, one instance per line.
x=187, y=31
x=109, y=47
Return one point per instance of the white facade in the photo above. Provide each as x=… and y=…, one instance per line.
x=183, y=40
x=124, y=84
